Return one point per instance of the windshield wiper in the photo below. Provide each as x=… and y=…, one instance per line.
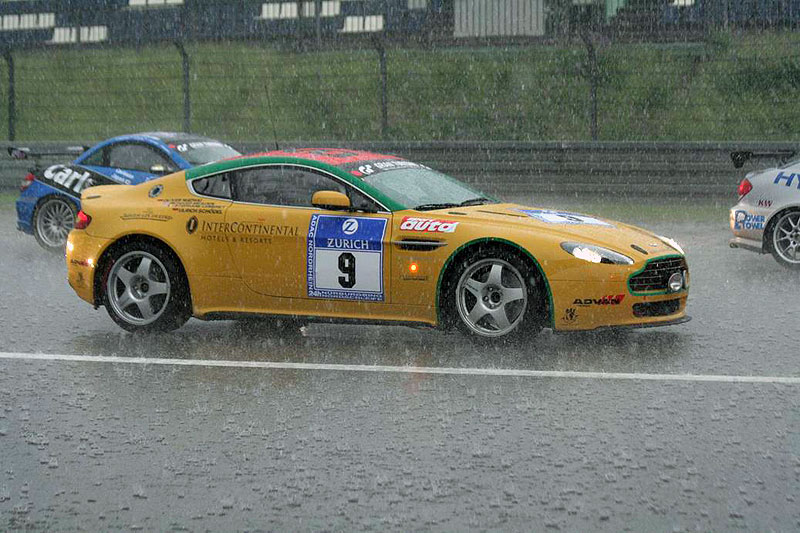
x=446, y=205
x=475, y=201
x=430, y=207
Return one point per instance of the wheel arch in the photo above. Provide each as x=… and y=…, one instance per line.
x=55, y=194
x=766, y=238
x=102, y=262
x=448, y=268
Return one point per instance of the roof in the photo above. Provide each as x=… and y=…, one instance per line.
x=174, y=136
x=347, y=164
x=337, y=157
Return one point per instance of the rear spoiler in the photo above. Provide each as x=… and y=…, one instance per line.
x=22, y=152
x=740, y=157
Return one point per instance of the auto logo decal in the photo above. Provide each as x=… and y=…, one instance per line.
x=155, y=191
x=428, y=225
x=191, y=225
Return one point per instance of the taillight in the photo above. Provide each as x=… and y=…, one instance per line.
x=745, y=187
x=29, y=177
x=82, y=220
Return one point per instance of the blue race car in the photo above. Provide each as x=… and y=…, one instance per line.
x=50, y=196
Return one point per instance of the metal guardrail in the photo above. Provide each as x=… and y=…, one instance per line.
x=509, y=169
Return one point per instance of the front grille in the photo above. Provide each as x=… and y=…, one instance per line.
x=656, y=274
x=667, y=307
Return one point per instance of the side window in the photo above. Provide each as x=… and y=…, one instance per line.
x=132, y=156
x=359, y=202
x=97, y=159
x=218, y=186
x=291, y=186
x=282, y=185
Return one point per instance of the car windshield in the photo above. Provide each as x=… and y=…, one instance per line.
x=202, y=152
x=422, y=188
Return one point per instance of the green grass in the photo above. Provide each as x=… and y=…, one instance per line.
x=738, y=87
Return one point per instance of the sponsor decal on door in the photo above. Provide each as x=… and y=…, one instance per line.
x=345, y=257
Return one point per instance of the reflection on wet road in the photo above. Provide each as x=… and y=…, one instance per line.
x=112, y=446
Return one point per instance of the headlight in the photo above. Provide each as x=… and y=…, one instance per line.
x=595, y=254
x=671, y=242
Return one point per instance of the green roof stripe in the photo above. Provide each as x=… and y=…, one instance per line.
x=233, y=164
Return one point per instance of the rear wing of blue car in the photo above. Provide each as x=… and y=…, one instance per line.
x=740, y=157
x=22, y=152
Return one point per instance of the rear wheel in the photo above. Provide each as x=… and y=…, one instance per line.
x=495, y=295
x=53, y=219
x=145, y=289
x=786, y=239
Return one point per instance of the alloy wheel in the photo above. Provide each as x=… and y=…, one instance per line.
x=491, y=297
x=138, y=288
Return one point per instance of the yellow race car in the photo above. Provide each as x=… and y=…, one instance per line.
x=337, y=235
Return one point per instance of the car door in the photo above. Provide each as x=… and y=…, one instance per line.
x=130, y=162
x=284, y=247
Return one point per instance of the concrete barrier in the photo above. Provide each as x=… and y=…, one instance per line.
x=527, y=168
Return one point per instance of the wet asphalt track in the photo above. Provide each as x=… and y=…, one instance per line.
x=88, y=445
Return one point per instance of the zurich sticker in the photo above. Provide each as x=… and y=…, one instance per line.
x=345, y=258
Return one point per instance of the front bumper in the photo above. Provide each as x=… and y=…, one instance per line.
x=82, y=257
x=748, y=244
x=593, y=305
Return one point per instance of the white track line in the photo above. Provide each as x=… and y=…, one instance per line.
x=508, y=372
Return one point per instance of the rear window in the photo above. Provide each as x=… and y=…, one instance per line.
x=202, y=152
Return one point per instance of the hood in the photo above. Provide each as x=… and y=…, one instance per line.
x=571, y=227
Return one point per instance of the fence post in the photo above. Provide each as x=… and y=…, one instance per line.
x=187, y=102
x=318, y=22
x=12, y=96
x=380, y=46
x=593, y=75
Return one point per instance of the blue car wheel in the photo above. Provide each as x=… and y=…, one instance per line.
x=53, y=219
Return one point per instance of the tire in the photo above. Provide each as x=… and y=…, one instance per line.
x=785, y=239
x=494, y=294
x=145, y=289
x=53, y=219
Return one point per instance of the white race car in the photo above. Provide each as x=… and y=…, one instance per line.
x=767, y=217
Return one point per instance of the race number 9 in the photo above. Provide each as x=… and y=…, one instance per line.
x=347, y=265
x=345, y=257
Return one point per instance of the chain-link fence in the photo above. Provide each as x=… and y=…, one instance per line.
x=738, y=90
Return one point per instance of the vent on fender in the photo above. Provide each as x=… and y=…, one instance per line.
x=418, y=245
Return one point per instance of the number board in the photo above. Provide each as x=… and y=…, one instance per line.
x=345, y=257
x=562, y=217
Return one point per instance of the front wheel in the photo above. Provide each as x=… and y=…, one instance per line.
x=495, y=296
x=53, y=220
x=144, y=289
x=786, y=239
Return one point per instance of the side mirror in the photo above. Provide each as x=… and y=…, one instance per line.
x=158, y=169
x=330, y=200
